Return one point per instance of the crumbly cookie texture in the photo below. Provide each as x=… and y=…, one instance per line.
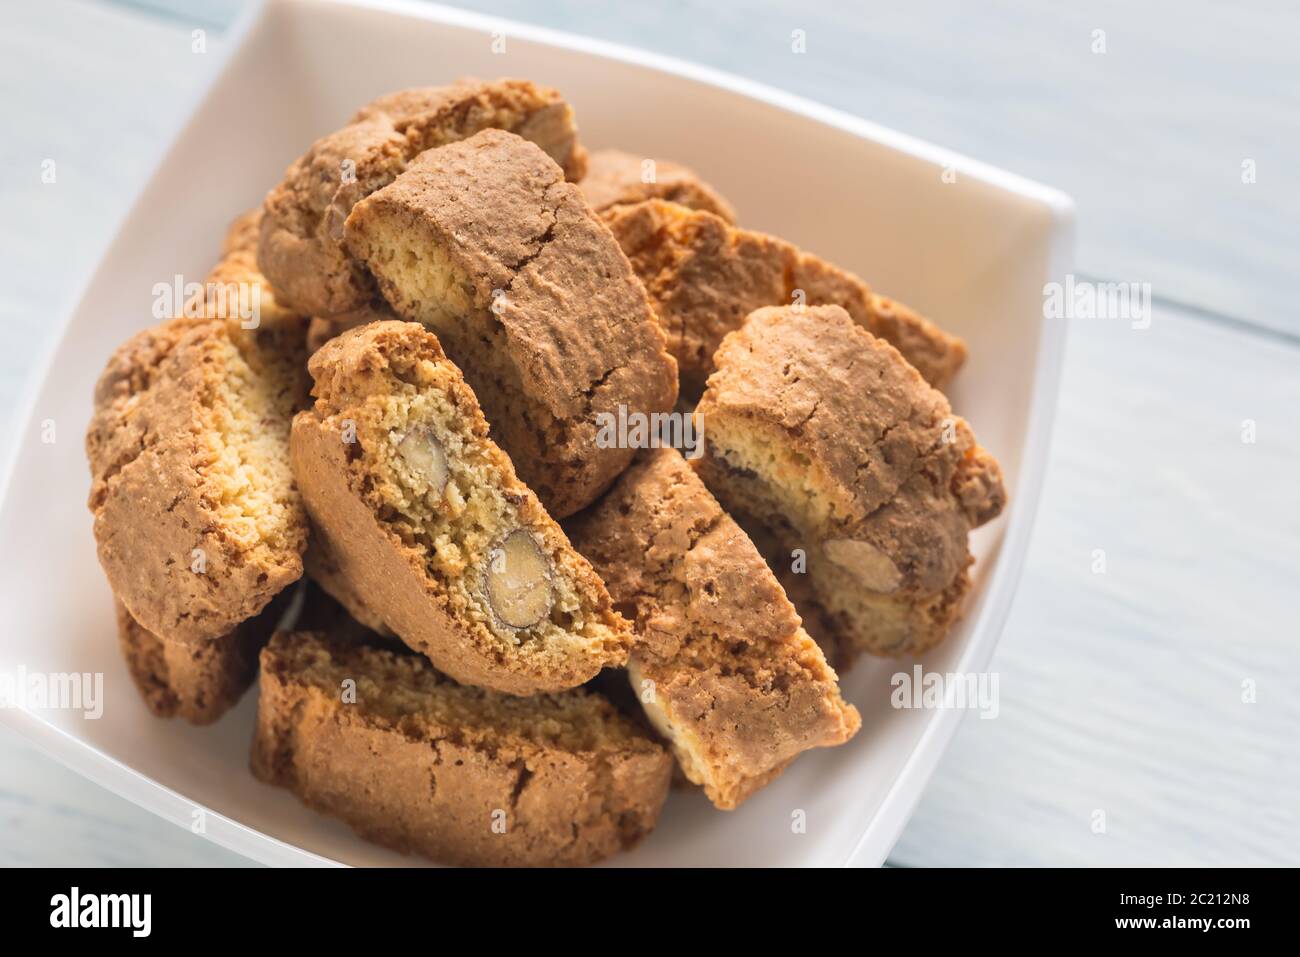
x=300, y=247
x=197, y=682
x=485, y=243
x=615, y=178
x=463, y=776
x=197, y=518
x=722, y=666
x=822, y=438
x=705, y=276
x=425, y=517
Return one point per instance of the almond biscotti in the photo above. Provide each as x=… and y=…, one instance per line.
x=821, y=438
x=201, y=681
x=417, y=763
x=722, y=666
x=300, y=248
x=485, y=243
x=615, y=178
x=425, y=517
x=197, y=518
x=705, y=276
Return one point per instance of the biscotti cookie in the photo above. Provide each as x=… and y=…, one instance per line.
x=419, y=764
x=721, y=665
x=196, y=681
x=300, y=248
x=425, y=518
x=705, y=276
x=615, y=178
x=485, y=243
x=197, y=518
x=825, y=440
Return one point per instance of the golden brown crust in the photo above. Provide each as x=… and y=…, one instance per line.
x=462, y=776
x=615, y=178
x=300, y=248
x=421, y=566
x=196, y=518
x=530, y=296
x=823, y=436
x=705, y=276
x=722, y=664
x=198, y=682
x=322, y=567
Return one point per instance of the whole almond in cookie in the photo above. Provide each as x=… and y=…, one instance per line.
x=425, y=523
x=705, y=276
x=485, y=243
x=721, y=666
x=459, y=775
x=823, y=441
x=301, y=234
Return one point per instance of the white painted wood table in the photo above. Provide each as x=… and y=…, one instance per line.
x=1122, y=688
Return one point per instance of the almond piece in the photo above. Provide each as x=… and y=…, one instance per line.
x=519, y=581
x=865, y=562
x=424, y=456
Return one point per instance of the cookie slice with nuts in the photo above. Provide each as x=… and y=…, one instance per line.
x=463, y=776
x=301, y=235
x=424, y=516
x=705, y=276
x=721, y=666
x=826, y=443
x=485, y=243
x=615, y=178
x=197, y=518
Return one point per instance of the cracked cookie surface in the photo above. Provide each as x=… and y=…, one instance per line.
x=424, y=516
x=820, y=437
x=705, y=276
x=721, y=666
x=300, y=248
x=460, y=775
x=616, y=178
x=197, y=518
x=485, y=243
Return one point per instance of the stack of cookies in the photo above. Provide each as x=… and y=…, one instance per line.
x=451, y=299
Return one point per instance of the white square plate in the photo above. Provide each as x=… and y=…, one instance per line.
x=973, y=253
